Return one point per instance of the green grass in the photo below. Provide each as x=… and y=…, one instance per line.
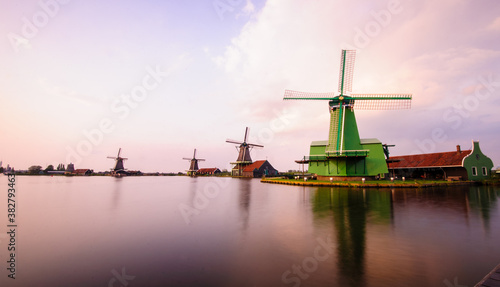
x=410, y=182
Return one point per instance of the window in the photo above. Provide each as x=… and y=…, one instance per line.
x=485, y=171
x=474, y=171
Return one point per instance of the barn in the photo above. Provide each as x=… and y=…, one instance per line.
x=83, y=171
x=208, y=171
x=259, y=168
x=454, y=165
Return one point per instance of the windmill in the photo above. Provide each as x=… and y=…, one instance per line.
x=118, y=170
x=345, y=154
x=193, y=167
x=244, y=158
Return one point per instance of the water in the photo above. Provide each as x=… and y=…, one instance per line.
x=180, y=231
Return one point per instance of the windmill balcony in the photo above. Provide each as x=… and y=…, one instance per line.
x=241, y=162
x=347, y=153
x=337, y=154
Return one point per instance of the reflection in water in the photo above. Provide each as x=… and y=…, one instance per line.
x=350, y=210
x=381, y=237
x=483, y=200
x=116, y=192
x=244, y=201
x=464, y=200
x=193, y=185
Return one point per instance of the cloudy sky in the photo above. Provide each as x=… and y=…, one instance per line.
x=81, y=79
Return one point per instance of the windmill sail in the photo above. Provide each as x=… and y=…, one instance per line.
x=193, y=163
x=342, y=105
x=244, y=158
x=347, y=58
x=381, y=101
x=333, y=135
x=296, y=95
x=119, y=167
x=244, y=148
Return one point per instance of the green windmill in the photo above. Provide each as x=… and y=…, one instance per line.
x=345, y=154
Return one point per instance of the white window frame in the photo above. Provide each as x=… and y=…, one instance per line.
x=474, y=171
x=485, y=171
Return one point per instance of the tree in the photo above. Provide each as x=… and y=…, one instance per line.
x=61, y=167
x=34, y=169
x=49, y=168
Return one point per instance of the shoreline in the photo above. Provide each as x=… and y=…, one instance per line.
x=375, y=184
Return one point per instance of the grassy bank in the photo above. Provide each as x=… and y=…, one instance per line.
x=371, y=183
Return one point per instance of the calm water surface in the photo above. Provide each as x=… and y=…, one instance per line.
x=180, y=231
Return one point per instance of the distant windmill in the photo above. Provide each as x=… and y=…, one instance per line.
x=345, y=154
x=244, y=158
x=193, y=167
x=118, y=169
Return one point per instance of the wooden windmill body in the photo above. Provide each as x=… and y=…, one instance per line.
x=118, y=169
x=344, y=154
x=193, y=166
x=244, y=158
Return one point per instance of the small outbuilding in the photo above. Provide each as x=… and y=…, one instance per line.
x=83, y=171
x=208, y=171
x=453, y=165
x=259, y=168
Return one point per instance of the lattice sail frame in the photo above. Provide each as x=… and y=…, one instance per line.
x=338, y=103
x=358, y=101
x=381, y=101
x=347, y=58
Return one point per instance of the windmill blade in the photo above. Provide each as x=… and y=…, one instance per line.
x=347, y=58
x=381, y=101
x=194, y=154
x=246, y=135
x=201, y=159
x=111, y=157
x=255, y=145
x=296, y=95
x=119, y=151
x=233, y=141
x=187, y=158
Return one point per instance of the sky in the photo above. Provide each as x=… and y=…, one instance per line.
x=81, y=79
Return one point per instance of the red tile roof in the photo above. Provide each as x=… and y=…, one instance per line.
x=255, y=165
x=440, y=159
x=207, y=170
x=81, y=170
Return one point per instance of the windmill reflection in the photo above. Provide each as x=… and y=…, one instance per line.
x=350, y=211
x=116, y=192
x=244, y=200
x=484, y=200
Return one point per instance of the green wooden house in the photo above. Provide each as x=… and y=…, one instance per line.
x=454, y=165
